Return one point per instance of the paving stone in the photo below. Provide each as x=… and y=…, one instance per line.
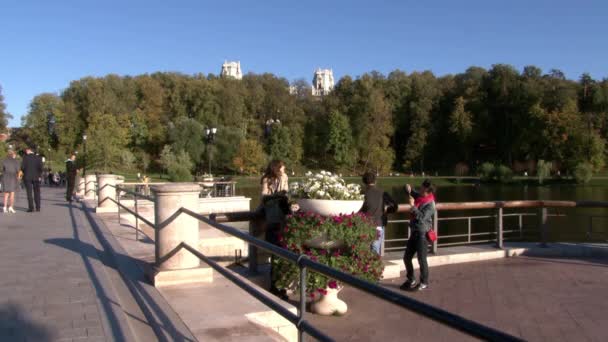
x=46, y=291
x=530, y=298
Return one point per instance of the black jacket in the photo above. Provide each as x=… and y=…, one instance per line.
x=377, y=204
x=70, y=169
x=31, y=165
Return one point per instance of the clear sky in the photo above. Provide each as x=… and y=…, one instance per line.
x=46, y=44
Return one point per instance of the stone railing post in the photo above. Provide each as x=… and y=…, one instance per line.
x=499, y=228
x=169, y=198
x=79, y=186
x=106, y=193
x=89, y=186
x=543, y=226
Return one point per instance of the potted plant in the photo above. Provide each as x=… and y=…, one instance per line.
x=351, y=253
x=326, y=194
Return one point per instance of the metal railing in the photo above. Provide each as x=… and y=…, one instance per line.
x=304, y=264
x=218, y=189
x=498, y=232
x=471, y=237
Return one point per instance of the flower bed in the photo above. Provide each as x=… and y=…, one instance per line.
x=354, y=233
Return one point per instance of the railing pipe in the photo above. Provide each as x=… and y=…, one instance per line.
x=136, y=220
x=302, y=308
x=436, y=228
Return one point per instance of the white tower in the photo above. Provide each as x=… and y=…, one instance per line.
x=322, y=82
x=232, y=69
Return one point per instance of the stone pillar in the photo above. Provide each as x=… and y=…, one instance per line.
x=106, y=191
x=89, y=186
x=79, y=186
x=168, y=199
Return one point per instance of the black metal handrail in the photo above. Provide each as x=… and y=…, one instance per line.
x=303, y=262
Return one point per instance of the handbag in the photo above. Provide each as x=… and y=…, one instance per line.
x=431, y=235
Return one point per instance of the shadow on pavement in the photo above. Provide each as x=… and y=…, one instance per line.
x=162, y=325
x=16, y=326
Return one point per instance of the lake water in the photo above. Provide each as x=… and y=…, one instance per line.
x=572, y=227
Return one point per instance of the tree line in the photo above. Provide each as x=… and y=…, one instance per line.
x=397, y=122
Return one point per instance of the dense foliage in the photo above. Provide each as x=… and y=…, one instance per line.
x=402, y=122
x=355, y=234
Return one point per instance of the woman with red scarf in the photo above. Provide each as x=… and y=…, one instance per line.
x=422, y=211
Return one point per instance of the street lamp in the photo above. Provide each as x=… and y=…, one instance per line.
x=209, y=137
x=84, y=164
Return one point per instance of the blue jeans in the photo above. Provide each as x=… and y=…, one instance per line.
x=377, y=244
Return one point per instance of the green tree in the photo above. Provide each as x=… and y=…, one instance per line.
x=250, y=158
x=280, y=145
x=4, y=115
x=41, y=121
x=461, y=125
x=187, y=135
x=340, y=144
x=107, y=140
x=180, y=170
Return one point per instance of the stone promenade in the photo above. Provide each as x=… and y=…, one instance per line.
x=65, y=277
x=537, y=299
x=57, y=283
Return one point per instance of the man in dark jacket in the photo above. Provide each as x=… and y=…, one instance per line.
x=31, y=166
x=377, y=204
x=70, y=175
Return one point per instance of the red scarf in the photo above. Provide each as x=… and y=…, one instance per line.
x=420, y=201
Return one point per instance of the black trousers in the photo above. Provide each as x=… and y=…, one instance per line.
x=417, y=244
x=272, y=236
x=32, y=185
x=70, y=191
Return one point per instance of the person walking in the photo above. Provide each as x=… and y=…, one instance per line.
x=31, y=165
x=70, y=173
x=377, y=204
x=422, y=212
x=10, y=181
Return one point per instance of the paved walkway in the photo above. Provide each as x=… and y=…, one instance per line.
x=56, y=282
x=538, y=299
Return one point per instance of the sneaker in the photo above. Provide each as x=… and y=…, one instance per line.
x=422, y=286
x=408, y=285
x=11, y=210
x=4, y=210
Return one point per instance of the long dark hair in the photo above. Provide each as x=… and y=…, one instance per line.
x=273, y=171
x=430, y=187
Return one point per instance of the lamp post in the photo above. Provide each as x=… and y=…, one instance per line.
x=84, y=162
x=209, y=137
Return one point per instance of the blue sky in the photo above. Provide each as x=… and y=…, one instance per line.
x=46, y=44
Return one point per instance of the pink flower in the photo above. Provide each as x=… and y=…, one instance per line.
x=322, y=291
x=332, y=284
x=323, y=252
